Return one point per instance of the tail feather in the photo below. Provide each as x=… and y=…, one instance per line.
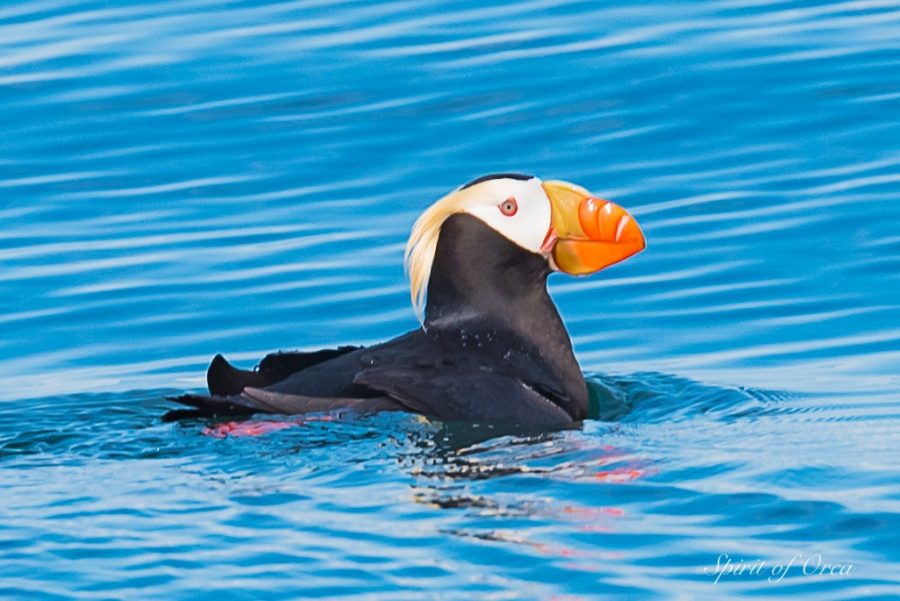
x=213, y=406
x=254, y=400
x=239, y=392
x=223, y=379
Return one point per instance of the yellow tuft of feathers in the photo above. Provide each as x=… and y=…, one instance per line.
x=419, y=255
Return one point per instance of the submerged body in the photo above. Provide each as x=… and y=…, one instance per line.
x=492, y=347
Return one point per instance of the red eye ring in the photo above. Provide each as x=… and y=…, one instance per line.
x=509, y=207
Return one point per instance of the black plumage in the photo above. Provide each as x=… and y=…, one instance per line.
x=493, y=349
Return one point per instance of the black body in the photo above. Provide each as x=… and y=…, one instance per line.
x=493, y=350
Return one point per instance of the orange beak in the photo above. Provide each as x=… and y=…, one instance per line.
x=587, y=233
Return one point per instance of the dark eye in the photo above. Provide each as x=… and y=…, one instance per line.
x=509, y=207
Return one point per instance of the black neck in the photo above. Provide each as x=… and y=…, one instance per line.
x=480, y=281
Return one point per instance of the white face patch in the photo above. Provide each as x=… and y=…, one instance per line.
x=518, y=210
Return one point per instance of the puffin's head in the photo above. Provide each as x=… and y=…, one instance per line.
x=575, y=232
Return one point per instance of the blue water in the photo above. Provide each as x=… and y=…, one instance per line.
x=190, y=177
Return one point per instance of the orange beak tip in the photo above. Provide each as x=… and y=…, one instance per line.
x=610, y=235
x=593, y=233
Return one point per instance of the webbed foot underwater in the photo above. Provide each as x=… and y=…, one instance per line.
x=492, y=347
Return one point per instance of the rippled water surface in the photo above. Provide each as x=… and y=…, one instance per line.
x=190, y=177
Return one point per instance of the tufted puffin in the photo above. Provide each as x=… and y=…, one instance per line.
x=491, y=348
